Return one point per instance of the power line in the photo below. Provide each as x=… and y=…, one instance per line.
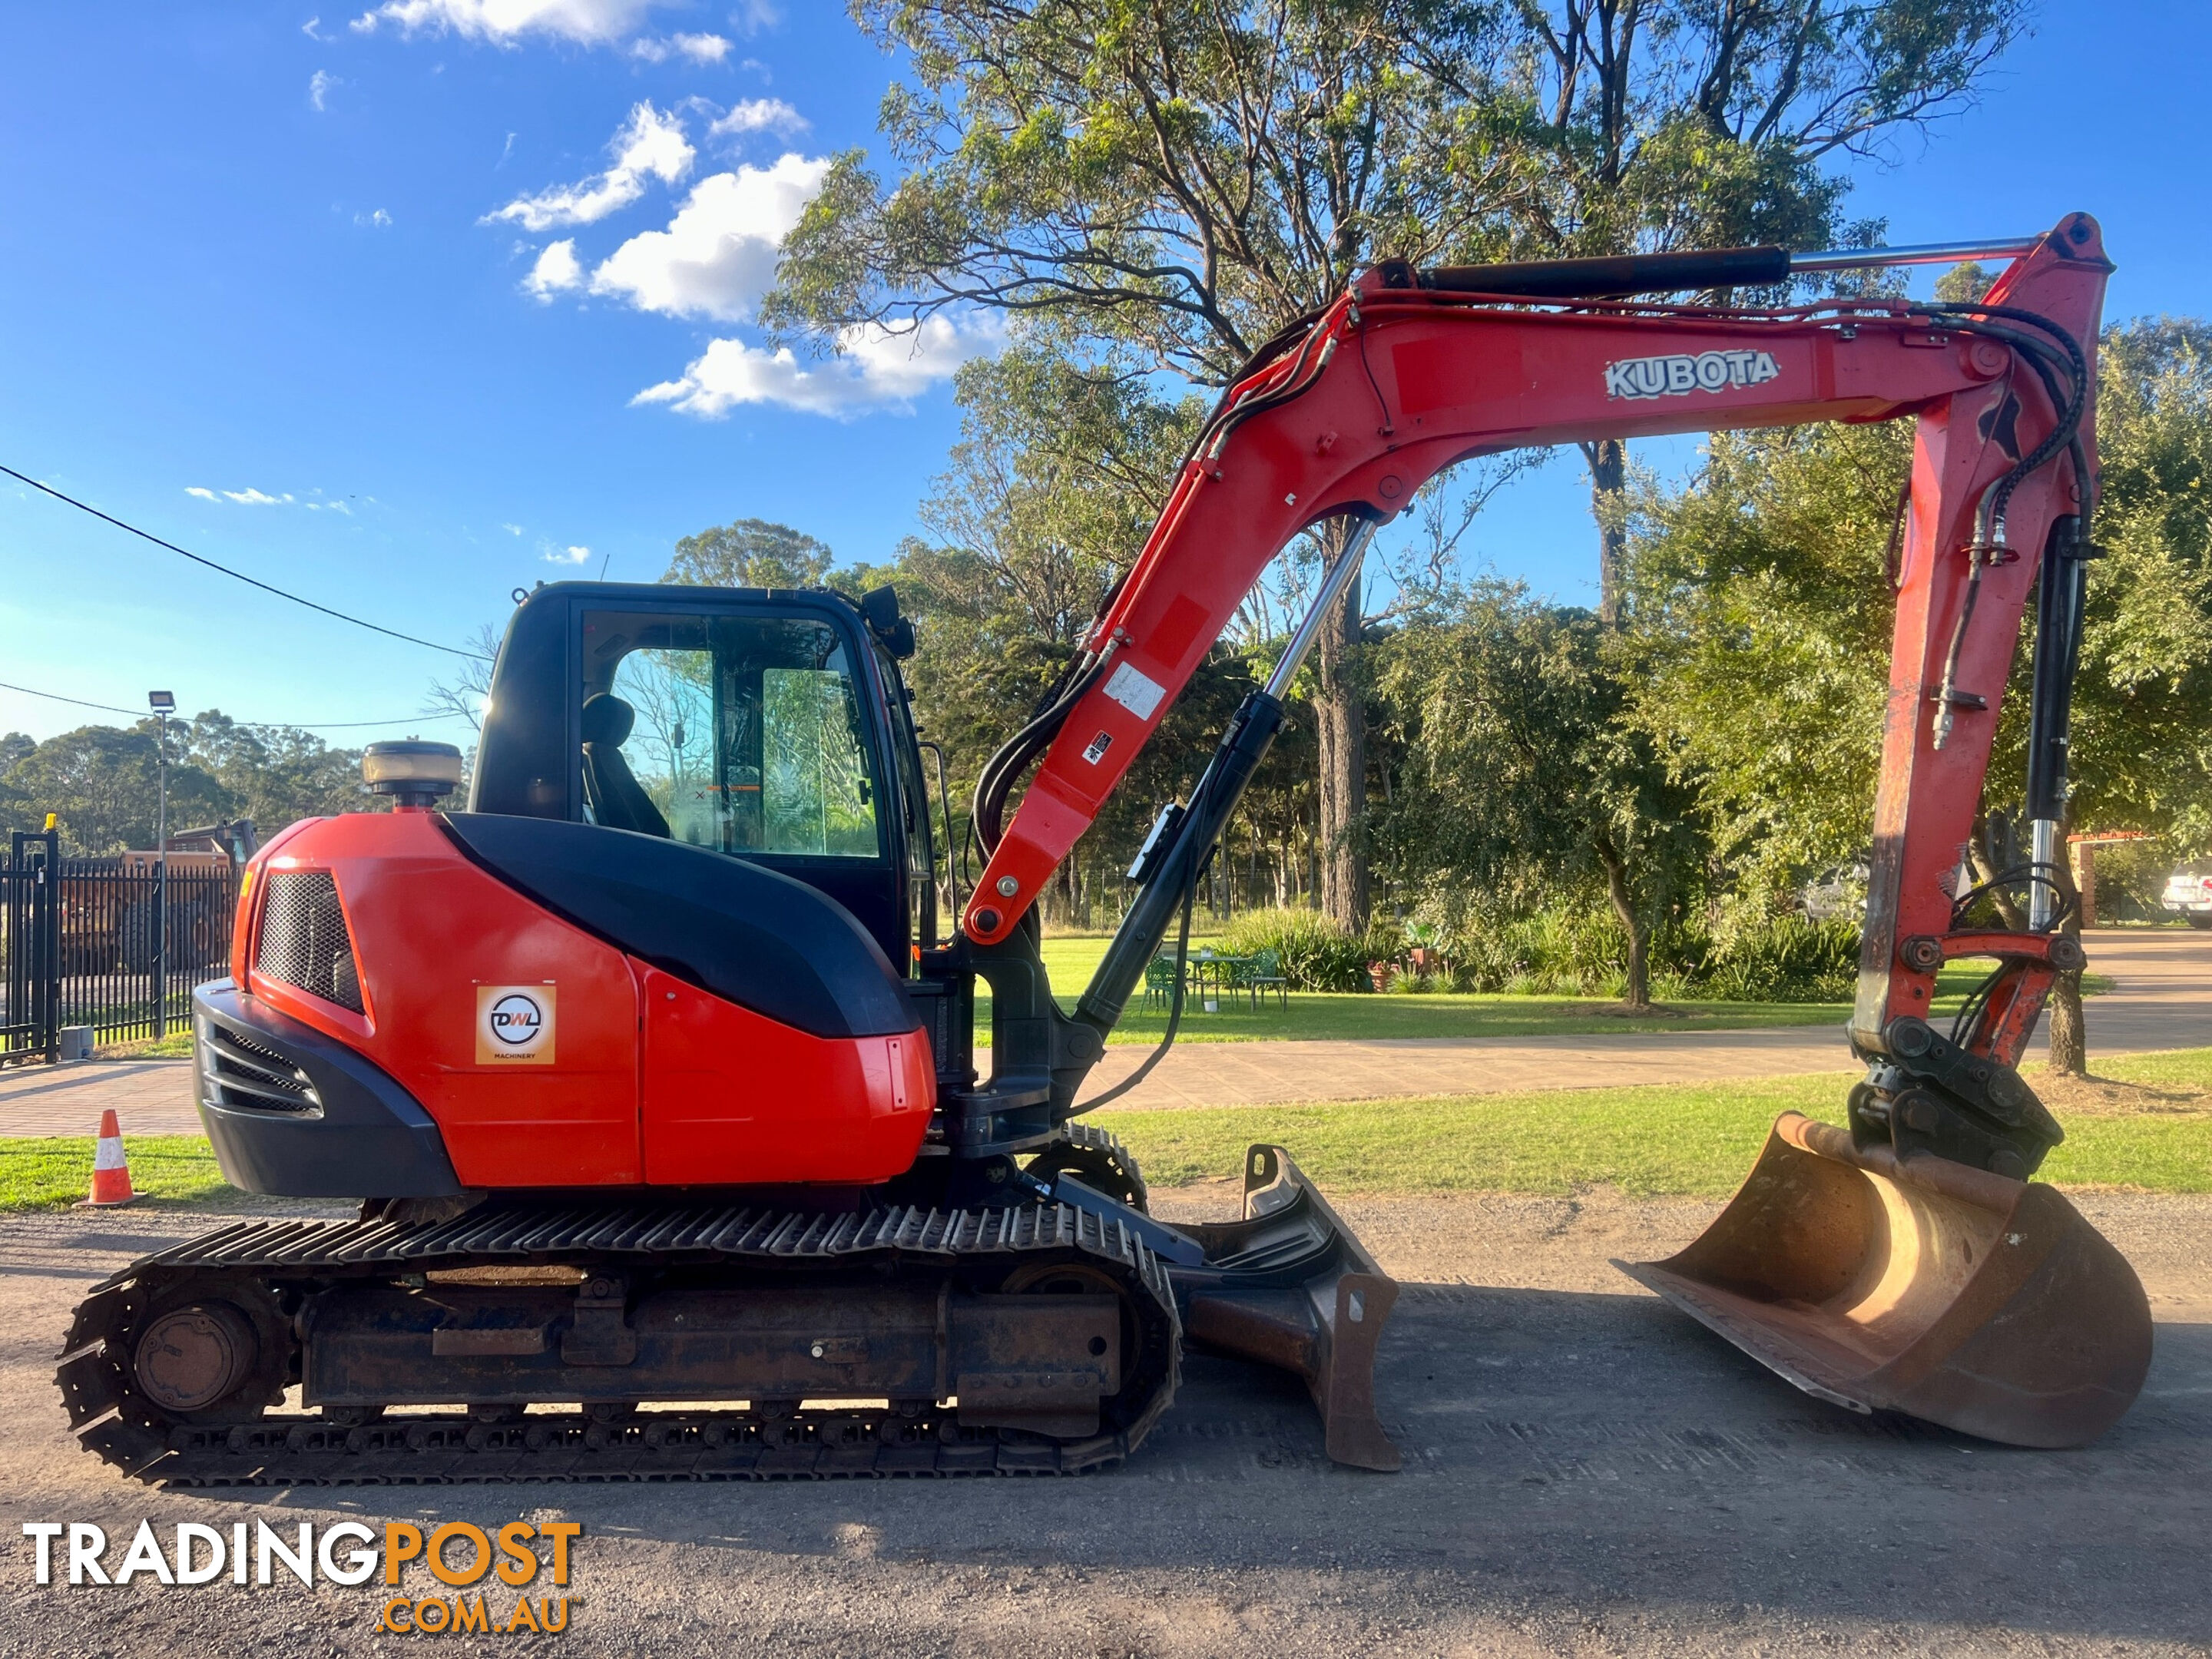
x=300, y=725
x=238, y=575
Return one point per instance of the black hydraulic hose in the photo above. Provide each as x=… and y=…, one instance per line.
x=1970, y=310
x=1230, y=415
x=2064, y=434
x=1006, y=762
x=1980, y=552
x=1970, y=1012
x=1175, y=1010
x=1973, y=319
x=1005, y=766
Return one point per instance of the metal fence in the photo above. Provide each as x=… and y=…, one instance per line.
x=30, y=1027
x=90, y=942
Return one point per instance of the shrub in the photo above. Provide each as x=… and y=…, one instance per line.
x=1785, y=958
x=1559, y=951
x=1579, y=950
x=1317, y=953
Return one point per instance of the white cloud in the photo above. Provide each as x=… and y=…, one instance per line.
x=318, y=88
x=378, y=220
x=717, y=255
x=252, y=497
x=758, y=115
x=650, y=145
x=512, y=529
x=699, y=48
x=310, y=28
x=556, y=270
x=874, y=369
x=566, y=555
x=503, y=22
x=751, y=16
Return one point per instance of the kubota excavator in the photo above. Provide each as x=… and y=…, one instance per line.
x=661, y=1092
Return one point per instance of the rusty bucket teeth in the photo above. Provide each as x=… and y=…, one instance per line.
x=1918, y=1285
x=1290, y=1287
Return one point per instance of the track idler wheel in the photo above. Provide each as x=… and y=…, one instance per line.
x=192, y=1357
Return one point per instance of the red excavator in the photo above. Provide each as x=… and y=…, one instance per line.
x=659, y=1082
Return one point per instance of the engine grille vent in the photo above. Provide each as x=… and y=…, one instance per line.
x=238, y=1071
x=304, y=941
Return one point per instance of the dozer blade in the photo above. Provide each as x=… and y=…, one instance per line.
x=1290, y=1287
x=1918, y=1285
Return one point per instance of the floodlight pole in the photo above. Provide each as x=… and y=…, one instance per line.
x=161, y=703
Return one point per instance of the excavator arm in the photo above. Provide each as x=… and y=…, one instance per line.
x=1410, y=372
x=1905, y=1263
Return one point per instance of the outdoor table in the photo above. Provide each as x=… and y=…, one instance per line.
x=1215, y=966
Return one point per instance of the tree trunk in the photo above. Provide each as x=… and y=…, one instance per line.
x=1608, y=471
x=1342, y=717
x=1637, y=993
x=1981, y=860
x=2069, y=1035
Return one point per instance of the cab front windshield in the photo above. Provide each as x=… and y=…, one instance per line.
x=748, y=733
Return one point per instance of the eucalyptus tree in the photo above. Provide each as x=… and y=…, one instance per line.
x=1169, y=185
x=1642, y=125
x=751, y=553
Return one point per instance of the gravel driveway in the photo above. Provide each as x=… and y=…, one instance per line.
x=1587, y=1472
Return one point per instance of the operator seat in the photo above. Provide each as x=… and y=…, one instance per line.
x=617, y=798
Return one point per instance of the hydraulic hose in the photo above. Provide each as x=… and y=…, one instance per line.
x=1006, y=766
x=1990, y=526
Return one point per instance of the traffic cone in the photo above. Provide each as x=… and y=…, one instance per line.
x=111, y=1173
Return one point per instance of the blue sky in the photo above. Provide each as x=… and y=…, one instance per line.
x=368, y=312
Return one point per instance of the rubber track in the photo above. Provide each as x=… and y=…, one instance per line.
x=111, y=1420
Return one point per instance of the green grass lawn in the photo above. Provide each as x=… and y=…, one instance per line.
x=1686, y=1141
x=1313, y=1016
x=1697, y=1141
x=167, y=1171
x=177, y=1045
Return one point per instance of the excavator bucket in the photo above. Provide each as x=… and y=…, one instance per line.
x=1918, y=1285
x=1290, y=1287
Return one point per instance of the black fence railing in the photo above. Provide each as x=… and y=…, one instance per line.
x=90, y=942
x=30, y=990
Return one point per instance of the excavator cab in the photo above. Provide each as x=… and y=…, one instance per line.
x=768, y=727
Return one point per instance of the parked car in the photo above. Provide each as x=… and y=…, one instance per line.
x=2189, y=894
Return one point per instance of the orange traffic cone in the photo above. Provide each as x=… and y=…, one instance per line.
x=110, y=1174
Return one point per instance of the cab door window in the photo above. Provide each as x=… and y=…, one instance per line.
x=746, y=733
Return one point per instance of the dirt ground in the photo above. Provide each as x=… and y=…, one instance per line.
x=1587, y=1473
